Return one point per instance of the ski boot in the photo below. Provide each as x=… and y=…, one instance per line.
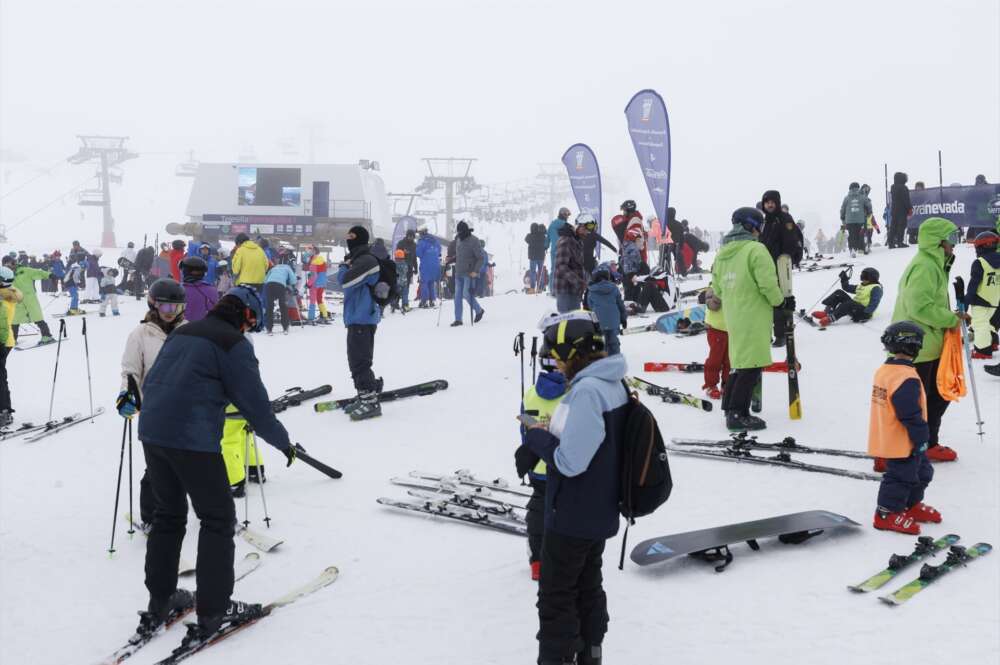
x=992, y=370
x=941, y=453
x=252, y=474
x=101, y=314
x=736, y=422
x=237, y=613
x=115, y=312
x=921, y=512
x=158, y=613
x=902, y=522
x=368, y=407
x=48, y=339
x=591, y=655
x=239, y=490
x=6, y=418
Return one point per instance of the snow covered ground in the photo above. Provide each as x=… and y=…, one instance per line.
x=421, y=590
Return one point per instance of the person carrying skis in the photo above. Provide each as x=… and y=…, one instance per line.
x=854, y=212
x=358, y=276
x=469, y=258
x=569, y=280
x=10, y=296
x=581, y=447
x=201, y=296
x=429, y=254
x=28, y=310
x=898, y=433
x=861, y=308
x=780, y=235
x=745, y=279
x=165, y=302
x=983, y=295
x=717, y=362
x=923, y=299
x=605, y=300
x=201, y=368
x=552, y=238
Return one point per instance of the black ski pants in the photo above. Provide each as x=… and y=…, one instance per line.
x=360, y=352
x=174, y=474
x=572, y=605
x=275, y=293
x=936, y=405
x=904, y=482
x=4, y=388
x=855, y=237
x=840, y=304
x=535, y=520
x=739, y=390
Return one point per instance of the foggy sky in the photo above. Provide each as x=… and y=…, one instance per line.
x=799, y=96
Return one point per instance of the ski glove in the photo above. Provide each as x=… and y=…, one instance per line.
x=126, y=404
x=525, y=460
x=789, y=303
x=290, y=454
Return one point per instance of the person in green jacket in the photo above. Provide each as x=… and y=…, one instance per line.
x=745, y=279
x=923, y=299
x=28, y=310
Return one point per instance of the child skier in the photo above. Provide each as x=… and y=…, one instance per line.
x=9, y=297
x=898, y=433
x=316, y=283
x=402, y=280
x=605, y=300
x=717, y=362
x=109, y=292
x=73, y=281
x=983, y=295
x=867, y=296
x=201, y=296
x=225, y=280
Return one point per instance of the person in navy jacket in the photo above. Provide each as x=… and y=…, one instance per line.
x=358, y=276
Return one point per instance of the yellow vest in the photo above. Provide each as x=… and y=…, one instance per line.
x=989, y=287
x=863, y=295
x=541, y=409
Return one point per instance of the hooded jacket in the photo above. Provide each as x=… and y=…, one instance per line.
x=537, y=241
x=553, y=236
x=781, y=235
x=900, y=197
x=745, y=280
x=200, y=298
x=856, y=207
x=249, y=264
x=357, y=280
x=569, y=277
x=469, y=255
x=9, y=297
x=28, y=310
x=429, y=253
x=923, y=288
x=141, y=348
x=605, y=300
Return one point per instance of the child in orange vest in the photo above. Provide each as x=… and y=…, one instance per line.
x=898, y=433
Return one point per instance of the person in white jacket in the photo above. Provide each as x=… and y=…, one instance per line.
x=166, y=312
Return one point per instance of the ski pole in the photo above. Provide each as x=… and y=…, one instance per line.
x=86, y=352
x=246, y=476
x=850, y=269
x=55, y=373
x=534, y=357
x=133, y=388
x=260, y=475
x=118, y=489
x=519, y=352
x=960, y=300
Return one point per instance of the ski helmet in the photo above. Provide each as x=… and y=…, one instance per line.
x=9, y=260
x=903, y=337
x=986, y=242
x=586, y=219
x=193, y=268
x=628, y=206
x=6, y=277
x=869, y=275
x=749, y=218
x=178, y=244
x=254, y=307
x=569, y=335
x=167, y=297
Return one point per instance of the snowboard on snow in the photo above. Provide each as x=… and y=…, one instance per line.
x=713, y=544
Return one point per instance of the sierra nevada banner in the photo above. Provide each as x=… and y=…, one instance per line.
x=649, y=128
x=972, y=206
x=585, y=179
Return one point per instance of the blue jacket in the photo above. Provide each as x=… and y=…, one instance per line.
x=429, y=253
x=58, y=268
x=605, y=300
x=552, y=236
x=357, y=280
x=281, y=274
x=210, y=273
x=202, y=367
x=581, y=448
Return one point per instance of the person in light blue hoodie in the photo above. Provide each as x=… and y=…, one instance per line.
x=605, y=300
x=552, y=239
x=280, y=280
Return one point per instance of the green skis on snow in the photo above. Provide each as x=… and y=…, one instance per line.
x=957, y=556
x=926, y=546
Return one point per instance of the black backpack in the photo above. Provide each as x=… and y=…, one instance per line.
x=386, y=289
x=645, y=472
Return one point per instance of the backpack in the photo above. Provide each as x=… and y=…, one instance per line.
x=386, y=289
x=646, y=482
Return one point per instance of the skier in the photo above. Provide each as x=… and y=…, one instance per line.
x=165, y=303
x=183, y=457
x=690, y=246
x=676, y=231
x=745, y=279
x=279, y=281
x=10, y=296
x=127, y=263
x=569, y=280
x=429, y=253
x=358, y=276
x=900, y=210
x=469, y=257
x=109, y=291
x=225, y=280
x=402, y=281
x=581, y=452
x=408, y=243
x=28, y=310
x=854, y=212
x=605, y=300
x=379, y=250
x=780, y=235
x=717, y=362
x=73, y=281
x=552, y=235
x=206, y=254
x=983, y=295
x=923, y=299
x=140, y=276
x=632, y=264
x=174, y=257
x=201, y=296
x=249, y=263
x=540, y=401
x=861, y=308
x=316, y=283
x=92, y=292
x=58, y=270
x=898, y=433
x=537, y=241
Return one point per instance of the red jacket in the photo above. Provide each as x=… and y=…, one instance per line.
x=176, y=255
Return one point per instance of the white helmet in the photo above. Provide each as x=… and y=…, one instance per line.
x=6, y=276
x=586, y=219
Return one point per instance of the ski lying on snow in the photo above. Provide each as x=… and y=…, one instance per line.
x=781, y=459
x=958, y=556
x=426, y=388
x=28, y=428
x=464, y=477
x=55, y=428
x=325, y=579
x=261, y=541
x=669, y=394
x=444, y=487
x=295, y=396
x=694, y=368
x=743, y=441
x=925, y=547
x=506, y=511
x=441, y=508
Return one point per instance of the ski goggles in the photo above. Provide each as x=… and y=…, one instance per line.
x=955, y=237
x=174, y=308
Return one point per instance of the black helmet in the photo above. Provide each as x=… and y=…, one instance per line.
x=166, y=296
x=569, y=335
x=869, y=275
x=241, y=238
x=750, y=219
x=628, y=206
x=252, y=304
x=193, y=268
x=178, y=244
x=986, y=242
x=903, y=337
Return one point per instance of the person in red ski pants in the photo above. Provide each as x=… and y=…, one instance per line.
x=717, y=362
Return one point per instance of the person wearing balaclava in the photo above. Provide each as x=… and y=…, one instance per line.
x=780, y=235
x=358, y=276
x=469, y=255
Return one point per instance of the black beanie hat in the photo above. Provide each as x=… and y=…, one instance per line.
x=357, y=237
x=463, y=227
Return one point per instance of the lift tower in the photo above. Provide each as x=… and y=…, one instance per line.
x=453, y=173
x=108, y=152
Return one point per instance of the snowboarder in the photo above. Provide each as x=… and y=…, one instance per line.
x=469, y=258
x=854, y=212
x=28, y=310
x=10, y=296
x=280, y=280
x=358, y=275
x=745, y=279
x=983, y=295
x=201, y=296
x=183, y=457
x=605, y=300
x=898, y=433
x=717, y=362
x=569, y=280
x=923, y=299
x=581, y=452
x=165, y=302
x=861, y=308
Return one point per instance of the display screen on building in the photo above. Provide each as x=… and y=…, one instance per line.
x=268, y=186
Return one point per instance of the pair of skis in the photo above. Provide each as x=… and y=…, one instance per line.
x=957, y=557
x=693, y=368
x=33, y=433
x=420, y=389
x=295, y=396
x=669, y=394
